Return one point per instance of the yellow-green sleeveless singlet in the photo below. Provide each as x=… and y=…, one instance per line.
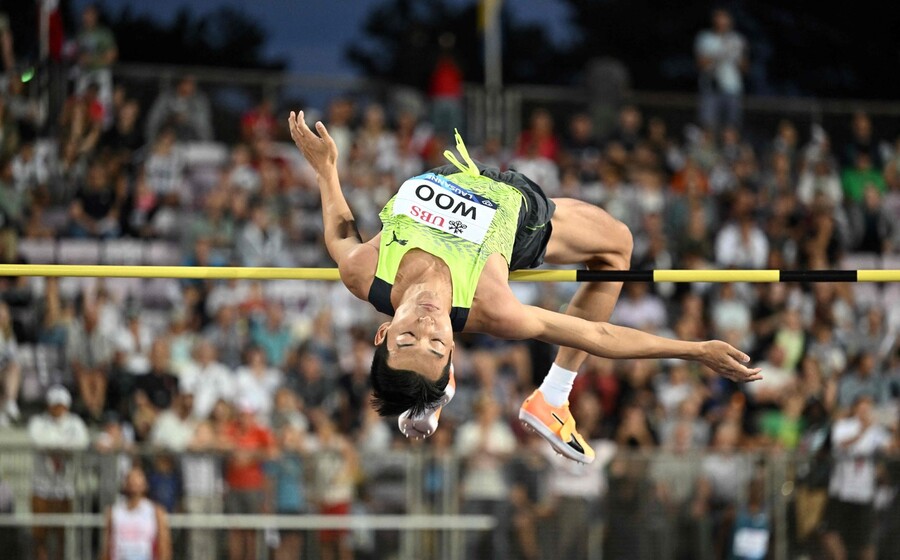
x=461, y=219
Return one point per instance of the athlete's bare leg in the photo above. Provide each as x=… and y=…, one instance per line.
x=585, y=234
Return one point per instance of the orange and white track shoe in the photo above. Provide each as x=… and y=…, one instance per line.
x=423, y=425
x=556, y=425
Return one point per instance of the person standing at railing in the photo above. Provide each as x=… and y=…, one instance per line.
x=485, y=443
x=336, y=471
x=55, y=434
x=850, y=522
x=721, y=54
x=287, y=475
x=250, y=445
x=97, y=51
x=136, y=528
x=724, y=474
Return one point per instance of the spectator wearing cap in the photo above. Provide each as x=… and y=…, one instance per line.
x=55, y=434
x=251, y=445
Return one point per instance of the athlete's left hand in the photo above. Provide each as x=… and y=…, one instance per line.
x=319, y=150
x=727, y=361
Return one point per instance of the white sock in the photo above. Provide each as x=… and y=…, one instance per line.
x=557, y=385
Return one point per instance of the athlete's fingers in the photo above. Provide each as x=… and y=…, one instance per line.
x=292, y=124
x=738, y=355
x=323, y=132
x=746, y=374
x=301, y=125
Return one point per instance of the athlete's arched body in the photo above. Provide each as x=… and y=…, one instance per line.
x=442, y=262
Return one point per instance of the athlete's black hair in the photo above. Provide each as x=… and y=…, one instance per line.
x=395, y=391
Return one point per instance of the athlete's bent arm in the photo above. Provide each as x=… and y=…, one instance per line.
x=341, y=235
x=615, y=342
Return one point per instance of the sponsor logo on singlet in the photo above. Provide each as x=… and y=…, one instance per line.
x=438, y=203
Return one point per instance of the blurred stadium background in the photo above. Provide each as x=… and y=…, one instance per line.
x=134, y=140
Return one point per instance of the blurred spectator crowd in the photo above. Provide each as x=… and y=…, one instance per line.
x=266, y=375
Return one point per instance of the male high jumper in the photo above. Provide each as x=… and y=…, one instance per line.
x=441, y=265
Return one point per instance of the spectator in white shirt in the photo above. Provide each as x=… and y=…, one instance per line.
x=820, y=179
x=133, y=345
x=257, y=383
x=207, y=379
x=741, y=243
x=731, y=318
x=640, y=309
x=539, y=169
x=174, y=428
x=777, y=381
x=850, y=515
x=56, y=434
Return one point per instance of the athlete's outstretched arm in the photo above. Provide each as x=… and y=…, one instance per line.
x=341, y=235
x=611, y=341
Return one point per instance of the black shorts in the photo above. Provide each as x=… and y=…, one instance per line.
x=854, y=522
x=534, y=229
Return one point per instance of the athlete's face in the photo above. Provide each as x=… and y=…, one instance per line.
x=419, y=338
x=135, y=483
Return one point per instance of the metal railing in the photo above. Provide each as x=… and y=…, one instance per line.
x=641, y=502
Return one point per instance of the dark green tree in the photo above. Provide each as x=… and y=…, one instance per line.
x=802, y=47
x=225, y=37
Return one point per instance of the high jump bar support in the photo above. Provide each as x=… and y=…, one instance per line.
x=331, y=274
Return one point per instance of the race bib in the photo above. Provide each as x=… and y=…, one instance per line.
x=436, y=202
x=751, y=543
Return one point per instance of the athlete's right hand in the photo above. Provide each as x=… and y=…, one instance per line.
x=319, y=150
x=727, y=361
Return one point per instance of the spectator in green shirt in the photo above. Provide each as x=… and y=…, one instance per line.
x=856, y=179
